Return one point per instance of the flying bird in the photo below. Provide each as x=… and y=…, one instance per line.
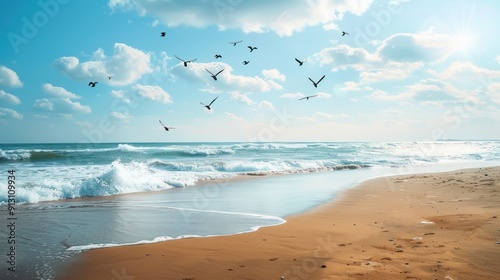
x=163, y=34
x=214, y=76
x=252, y=48
x=92, y=84
x=234, y=43
x=166, y=128
x=316, y=83
x=109, y=77
x=300, y=62
x=217, y=56
x=185, y=61
x=245, y=62
x=344, y=33
x=208, y=106
x=307, y=97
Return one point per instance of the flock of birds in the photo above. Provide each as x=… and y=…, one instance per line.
x=214, y=76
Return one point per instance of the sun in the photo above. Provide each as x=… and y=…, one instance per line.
x=463, y=44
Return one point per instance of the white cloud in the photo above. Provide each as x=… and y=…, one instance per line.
x=392, y=112
x=299, y=95
x=391, y=71
x=331, y=116
x=9, y=98
x=467, y=70
x=281, y=16
x=154, y=93
x=60, y=102
x=296, y=95
x=266, y=105
x=343, y=56
x=60, y=106
x=273, y=74
x=120, y=94
x=120, y=116
x=58, y=91
x=497, y=58
x=438, y=104
x=323, y=95
x=396, y=57
x=427, y=46
x=353, y=86
x=226, y=80
x=494, y=92
x=384, y=96
x=233, y=116
x=121, y=4
x=6, y=113
x=9, y=78
x=155, y=23
x=126, y=65
x=330, y=26
x=241, y=97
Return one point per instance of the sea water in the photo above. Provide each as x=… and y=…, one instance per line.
x=73, y=197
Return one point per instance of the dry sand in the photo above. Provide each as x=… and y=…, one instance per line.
x=428, y=226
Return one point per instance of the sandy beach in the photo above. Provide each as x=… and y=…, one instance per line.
x=425, y=226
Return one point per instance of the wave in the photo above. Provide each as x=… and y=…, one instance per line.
x=259, y=166
x=144, y=176
x=116, y=178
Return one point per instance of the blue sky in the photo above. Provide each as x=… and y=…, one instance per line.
x=408, y=70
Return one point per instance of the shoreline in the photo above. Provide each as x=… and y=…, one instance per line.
x=383, y=238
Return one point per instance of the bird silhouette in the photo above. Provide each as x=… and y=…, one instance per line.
x=109, y=77
x=217, y=56
x=208, y=106
x=316, y=83
x=234, y=43
x=214, y=76
x=300, y=62
x=166, y=128
x=307, y=97
x=245, y=62
x=185, y=61
x=92, y=84
x=252, y=48
x=163, y=34
x=344, y=33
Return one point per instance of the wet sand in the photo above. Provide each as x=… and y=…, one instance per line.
x=425, y=226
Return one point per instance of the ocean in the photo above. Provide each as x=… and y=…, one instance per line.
x=74, y=197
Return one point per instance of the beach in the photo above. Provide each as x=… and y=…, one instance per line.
x=421, y=226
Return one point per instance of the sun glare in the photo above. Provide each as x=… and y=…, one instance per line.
x=463, y=44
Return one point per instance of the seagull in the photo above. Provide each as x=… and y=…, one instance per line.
x=163, y=34
x=208, y=106
x=252, y=48
x=234, y=43
x=109, y=77
x=307, y=97
x=217, y=56
x=166, y=128
x=92, y=84
x=300, y=62
x=185, y=61
x=214, y=76
x=316, y=83
x=246, y=62
x=344, y=33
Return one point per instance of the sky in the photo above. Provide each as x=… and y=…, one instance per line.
x=407, y=70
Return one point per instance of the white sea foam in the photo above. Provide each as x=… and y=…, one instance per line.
x=278, y=221
x=54, y=171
